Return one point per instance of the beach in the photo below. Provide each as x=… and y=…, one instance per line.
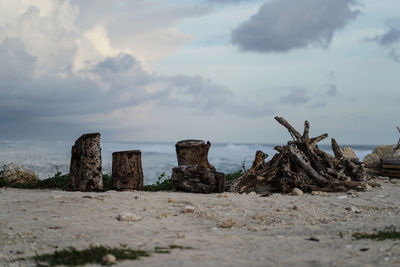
x=226, y=229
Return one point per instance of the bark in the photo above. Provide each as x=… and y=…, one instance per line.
x=197, y=179
x=193, y=152
x=85, y=169
x=127, y=170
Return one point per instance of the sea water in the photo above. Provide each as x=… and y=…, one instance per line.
x=47, y=158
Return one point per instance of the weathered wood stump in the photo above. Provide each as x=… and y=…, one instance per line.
x=197, y=179
x=193, y=152
x=127, y=170
x=85, y=169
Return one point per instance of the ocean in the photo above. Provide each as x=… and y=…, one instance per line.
x=46, y=158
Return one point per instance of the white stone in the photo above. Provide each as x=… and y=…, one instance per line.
x=128, y=217
x=342, y=197
x=110, y=259
x=14, y=173
x=355, y=209
x=188, y=209
x=297, y=192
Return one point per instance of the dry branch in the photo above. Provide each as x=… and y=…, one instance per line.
x=301, y=164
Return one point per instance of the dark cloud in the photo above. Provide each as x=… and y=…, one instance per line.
x=332, y=90
x=394, y=54
x=282, y=25
x=295, y=96
x=391, y=34
x=228, y=1
x=319, y=105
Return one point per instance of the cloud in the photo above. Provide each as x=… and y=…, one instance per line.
x=295, y=96
x=64, y=79
x=390, y=36
x=283, y=25
x=332, y=90
x=394, y=54
x=228, y=1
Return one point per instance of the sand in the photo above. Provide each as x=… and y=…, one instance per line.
x=268, y=231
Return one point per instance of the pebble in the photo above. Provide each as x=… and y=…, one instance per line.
x=228, y=223
x=180, y=235
x=188, y=209
x=297, y=192
x=110, y=259
x=128, y=217
x=171, y=200
x=354, y=209
x=342, y=197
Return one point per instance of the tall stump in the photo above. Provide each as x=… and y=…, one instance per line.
x=127, y=170
x=85, y=169
x=193, y=152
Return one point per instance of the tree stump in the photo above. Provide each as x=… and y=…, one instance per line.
x=198, y=179
x=193, y=152
x=85, y=169
x=127, y=170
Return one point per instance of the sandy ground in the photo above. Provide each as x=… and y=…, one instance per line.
x=269, y=231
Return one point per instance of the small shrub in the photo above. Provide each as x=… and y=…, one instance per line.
x=58, y=181
x=107, y=184
x=162, y=184
x=387, y=233
x=234, y=175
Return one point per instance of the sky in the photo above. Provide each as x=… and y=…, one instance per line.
x=218, y=70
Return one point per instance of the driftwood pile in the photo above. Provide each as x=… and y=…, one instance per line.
x=301, y=164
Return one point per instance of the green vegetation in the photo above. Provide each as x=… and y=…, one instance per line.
x=387, y=233
x=97, y=254
x=234, y=175
x=162, y=184
x=107, y=184
x=93, y=254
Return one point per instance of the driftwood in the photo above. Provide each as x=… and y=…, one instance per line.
x=85, y=169
x=194, y=173
x=301, y=164
x=197, y=179
x=127, y=170
x=193, y=152
x=391, y=166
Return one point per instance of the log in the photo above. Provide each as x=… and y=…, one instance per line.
x=197, y=179
x=193, y=152
x=391, y=161
x=336, y=149
x=295, y=155
x=85, y=169
x=127, y=170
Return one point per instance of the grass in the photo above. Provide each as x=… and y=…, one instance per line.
x=385, y=234
x=234, y=175
x=96, y=255
x=162, y=184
